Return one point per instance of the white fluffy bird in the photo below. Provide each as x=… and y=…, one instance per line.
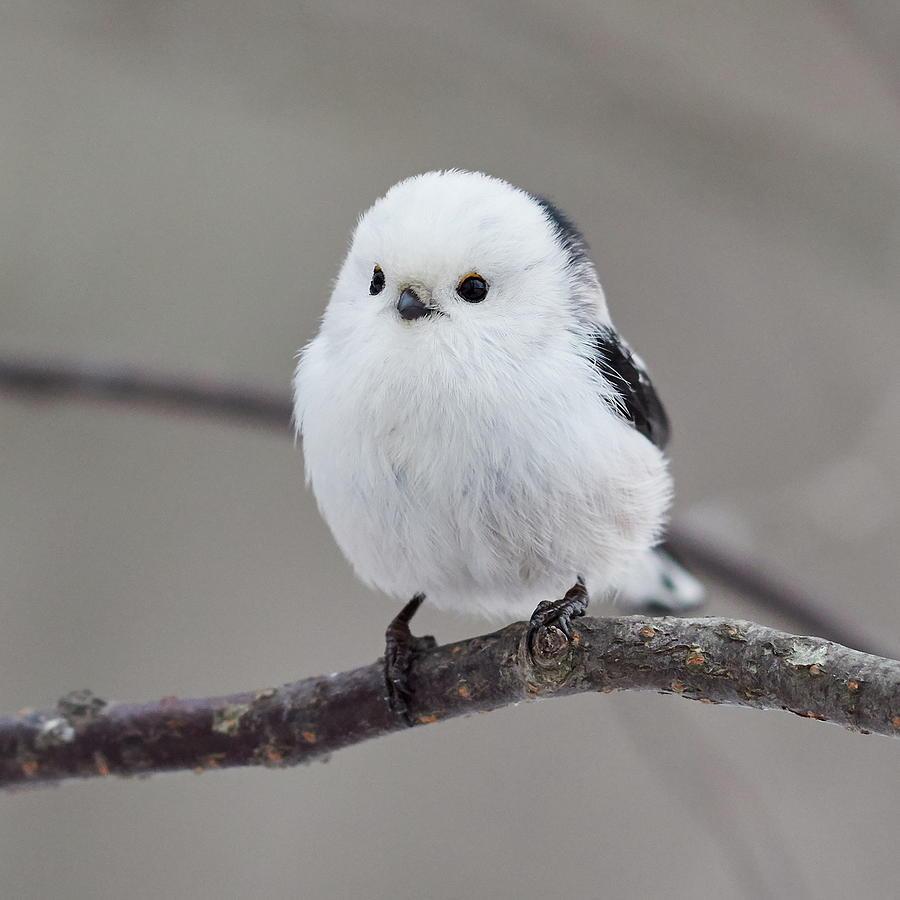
x=474, y=428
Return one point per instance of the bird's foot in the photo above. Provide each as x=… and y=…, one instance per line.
x=559, y=612
x=400, y=650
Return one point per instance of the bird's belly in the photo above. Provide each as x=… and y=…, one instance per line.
x=488, y=515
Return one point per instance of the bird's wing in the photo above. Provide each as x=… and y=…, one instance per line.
x=637, y=397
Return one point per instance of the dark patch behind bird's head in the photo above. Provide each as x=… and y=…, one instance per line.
x=567, y=232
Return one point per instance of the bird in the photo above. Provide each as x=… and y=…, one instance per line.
x=474, y=428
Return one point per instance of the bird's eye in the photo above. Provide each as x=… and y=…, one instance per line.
x=473, y=288
x=377, y=285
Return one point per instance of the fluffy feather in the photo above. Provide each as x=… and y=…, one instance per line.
x=478, y=455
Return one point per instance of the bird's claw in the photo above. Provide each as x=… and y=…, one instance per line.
x=559, y=613
x=400, y=649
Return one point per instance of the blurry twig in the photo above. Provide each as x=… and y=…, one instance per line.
x=53, y=380
x=755, y=581
x=712, y=660
x=45, y=379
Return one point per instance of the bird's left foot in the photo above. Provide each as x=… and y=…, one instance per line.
x=559, y=612
x=400, y=649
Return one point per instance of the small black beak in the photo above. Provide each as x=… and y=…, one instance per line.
x=411, y=307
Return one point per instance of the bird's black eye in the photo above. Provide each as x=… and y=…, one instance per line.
x=473, y=288
x=377, y=285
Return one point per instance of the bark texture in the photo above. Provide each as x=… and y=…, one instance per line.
x=712, y=660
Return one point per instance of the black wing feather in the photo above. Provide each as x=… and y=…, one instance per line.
x=638, y=397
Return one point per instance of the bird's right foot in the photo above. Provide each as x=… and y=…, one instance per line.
x=559, y=612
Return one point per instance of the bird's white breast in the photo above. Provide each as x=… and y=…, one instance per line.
x=488, y=482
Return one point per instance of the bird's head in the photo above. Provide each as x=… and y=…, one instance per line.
x=453, y=257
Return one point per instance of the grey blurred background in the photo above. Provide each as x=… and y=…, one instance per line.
x=178, y=183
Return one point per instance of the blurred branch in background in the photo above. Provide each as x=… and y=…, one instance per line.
x=713, y=660
x=43, y=379
x=756, y=581
x=53, y=380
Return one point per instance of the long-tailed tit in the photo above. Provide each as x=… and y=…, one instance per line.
x=474, y=427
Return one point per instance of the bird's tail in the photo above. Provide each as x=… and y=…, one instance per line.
x=659, y=584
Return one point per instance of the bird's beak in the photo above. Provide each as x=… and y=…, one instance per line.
x=411, y=307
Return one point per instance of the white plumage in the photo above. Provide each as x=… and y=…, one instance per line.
x=477, y=454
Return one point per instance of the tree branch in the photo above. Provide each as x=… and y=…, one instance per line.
x=51, y=379
x=54, y=380
x=757, y=581
x=712, y=660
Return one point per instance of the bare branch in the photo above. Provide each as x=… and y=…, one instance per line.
x=46, y=380
x=712, y=660
x=50, y=379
